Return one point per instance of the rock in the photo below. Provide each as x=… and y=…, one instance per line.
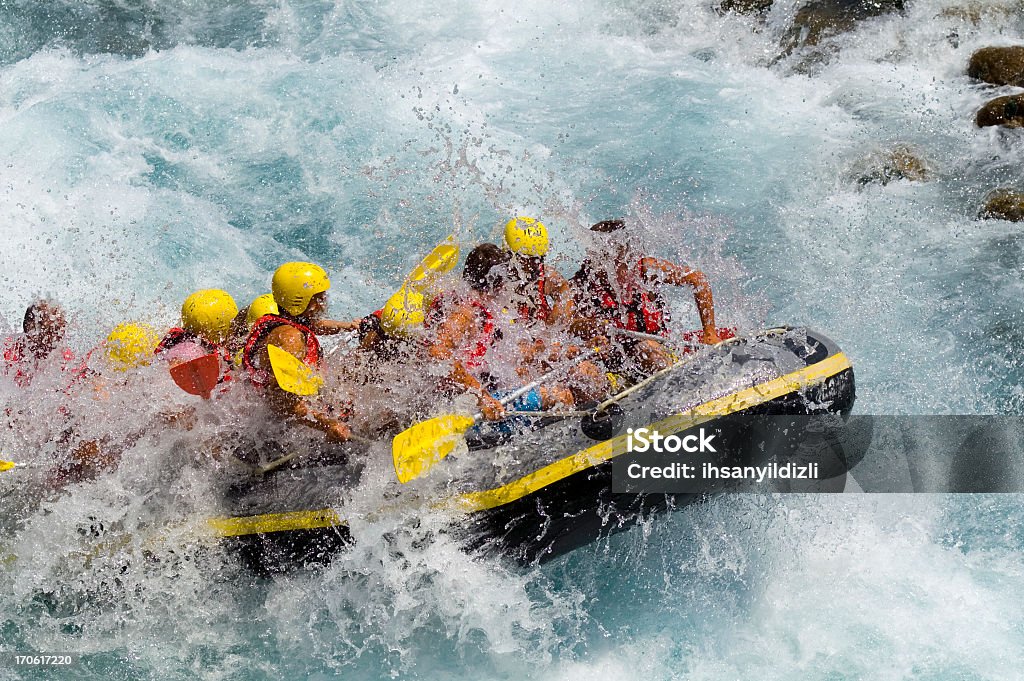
x=1004, y=204
x=820, y=19
x=900, y=163
x=1005, y=111
x=744, y=6
x=977, y=12
x=998, y=65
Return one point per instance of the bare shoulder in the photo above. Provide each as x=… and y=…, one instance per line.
x=553, y=279
x=287, y=338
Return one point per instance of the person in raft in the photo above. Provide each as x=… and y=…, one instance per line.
x=540, y=292
x=44, y=326
x=300, y=291
x=617, y=287
x=206, y=318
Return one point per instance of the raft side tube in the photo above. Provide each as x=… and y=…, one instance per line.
x=568, y=502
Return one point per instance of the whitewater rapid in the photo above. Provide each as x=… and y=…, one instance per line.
x=150, y=149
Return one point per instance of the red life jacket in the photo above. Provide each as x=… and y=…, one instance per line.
x=263, y=326
x=471, y=355
x=176, y=336
x=485, y=336
x=78, y=371
x=694, y=339
x=16, y=358
x=642, y=312
x=540, y=311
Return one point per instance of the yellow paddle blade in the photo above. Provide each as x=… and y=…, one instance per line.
x=418, y=448
x=292, y=374
x=439, y=261
x=6, y=466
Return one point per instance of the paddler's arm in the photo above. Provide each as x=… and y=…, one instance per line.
x=291, y=340
x=491, y=408
x=557, y=288
x=294, y=406
x=450, y=335
x=452, y=332
x=336, y=430
x=330, y=327
x=671, y=273
x=286, y=337
x=587, y=328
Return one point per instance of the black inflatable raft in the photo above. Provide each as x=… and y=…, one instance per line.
x=546, y=487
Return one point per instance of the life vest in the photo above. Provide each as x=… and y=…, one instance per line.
x=78, y=370
x=177, y=336
x=643, y=312
x=14, y=356
x=542, y=309
x=17, y=359
x=695, y=339
x=263, y=326
x=486, y=334
x=471, y=354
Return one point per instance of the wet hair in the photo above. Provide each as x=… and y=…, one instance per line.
x=607, y=226
x=32, y=315
x=40, y=312
x=369, y=324
x=479, y=271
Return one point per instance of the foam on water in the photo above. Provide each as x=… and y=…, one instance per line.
x=154, y=148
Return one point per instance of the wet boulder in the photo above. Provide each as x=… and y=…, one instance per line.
x=1005, y=111
x=899, y=163
x=821, y=19
x=744, y=6
x=1004, y=204
x=998, y=65
x=977, y=12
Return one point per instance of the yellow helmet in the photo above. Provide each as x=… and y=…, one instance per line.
x=295, y=284
x=130, y=345
x=261, y=306
x=208, y=313
x=527, y=236
x=403, y=313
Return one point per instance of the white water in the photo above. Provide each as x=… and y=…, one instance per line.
x=359, y=134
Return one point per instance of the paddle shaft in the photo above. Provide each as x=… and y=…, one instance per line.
x=15, y=465
x=641, y=335
x=508, y=399
x=418, y=448
x=610, y=401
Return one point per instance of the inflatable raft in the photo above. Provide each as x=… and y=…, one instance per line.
x=545, y=486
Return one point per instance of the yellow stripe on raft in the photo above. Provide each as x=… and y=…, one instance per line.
x=274, y=522
x=723, y=406
x=517, y=489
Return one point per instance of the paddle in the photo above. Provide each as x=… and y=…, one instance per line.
x=663, y=339
x=296, y=377
x=439, y=261
x=640, y=335
x=198, y=376
x=15, y=466
x=292, y=374
x=416, y=449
